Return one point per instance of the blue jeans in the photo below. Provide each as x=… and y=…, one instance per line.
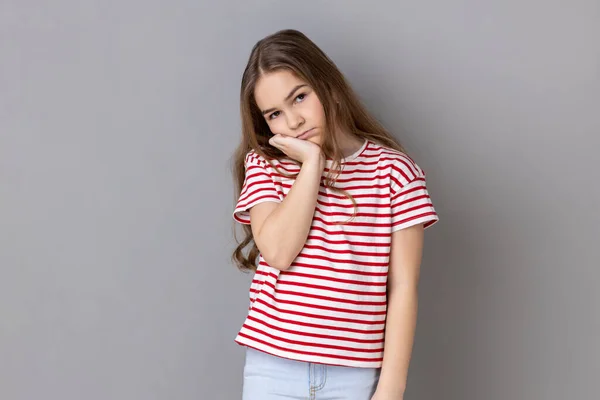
x=268, y=377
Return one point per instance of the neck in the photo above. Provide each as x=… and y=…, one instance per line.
x=350, y=144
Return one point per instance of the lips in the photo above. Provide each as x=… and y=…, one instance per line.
x=304, y=134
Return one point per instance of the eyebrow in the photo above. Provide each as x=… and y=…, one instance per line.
x=286, y=99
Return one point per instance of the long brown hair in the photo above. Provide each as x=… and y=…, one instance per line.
x=293, y=51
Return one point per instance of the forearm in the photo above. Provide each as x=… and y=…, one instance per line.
x=285, y=230
x=399, y=337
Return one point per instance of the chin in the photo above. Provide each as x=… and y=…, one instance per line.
x=316, y=140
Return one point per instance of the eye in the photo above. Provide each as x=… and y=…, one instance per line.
x=302, y=96
x=299, y=99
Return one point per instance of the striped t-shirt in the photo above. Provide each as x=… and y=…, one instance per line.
x=330, y=306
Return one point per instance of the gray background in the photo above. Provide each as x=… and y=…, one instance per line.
x=117, y=122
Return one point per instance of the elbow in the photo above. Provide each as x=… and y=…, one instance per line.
x=278, y=254
x=282, y=266
x=278, y=260
x=403, y=289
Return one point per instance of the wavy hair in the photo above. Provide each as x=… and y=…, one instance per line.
x=293, y=51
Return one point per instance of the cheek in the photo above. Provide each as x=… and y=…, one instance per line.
x=277, y=125
x=316, y=110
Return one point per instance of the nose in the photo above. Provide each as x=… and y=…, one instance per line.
x=295, y=121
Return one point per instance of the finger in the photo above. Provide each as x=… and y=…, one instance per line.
x=277, y=141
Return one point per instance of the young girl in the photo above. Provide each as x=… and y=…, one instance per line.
x=334, y=212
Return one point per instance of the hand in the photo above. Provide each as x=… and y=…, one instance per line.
x=386, y=396
x=298, y=149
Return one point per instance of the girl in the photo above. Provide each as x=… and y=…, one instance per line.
x=334, y=212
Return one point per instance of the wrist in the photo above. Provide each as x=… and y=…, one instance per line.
x=391, y=391
x=317, y=160
x=391, y=385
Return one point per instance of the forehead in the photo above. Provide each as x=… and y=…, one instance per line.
x=272, y=88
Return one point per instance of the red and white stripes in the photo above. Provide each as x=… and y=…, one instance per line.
x=330, y=305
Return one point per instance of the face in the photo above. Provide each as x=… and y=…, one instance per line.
x=290, y=106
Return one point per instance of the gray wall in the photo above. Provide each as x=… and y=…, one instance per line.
x=117, y=121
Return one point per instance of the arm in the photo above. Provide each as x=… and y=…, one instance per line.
x=403, y=278
x=280, y=229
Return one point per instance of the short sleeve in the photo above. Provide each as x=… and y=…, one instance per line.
x=258, y=188
x=410, y=200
